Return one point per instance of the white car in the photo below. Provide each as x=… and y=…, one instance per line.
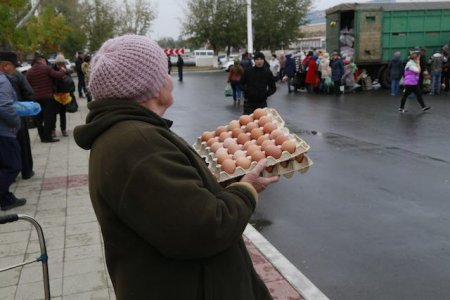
x=68, y=64
x=227, y=65
x=24, y=68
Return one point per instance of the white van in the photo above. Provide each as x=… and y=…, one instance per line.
x=204, y=58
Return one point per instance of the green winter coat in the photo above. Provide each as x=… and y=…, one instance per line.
x=170, y=230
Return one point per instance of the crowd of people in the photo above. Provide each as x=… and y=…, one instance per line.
x=318, y=72
x=52, y=87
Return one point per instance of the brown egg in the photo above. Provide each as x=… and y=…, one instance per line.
x=269, y=169
x=250, y=126
x=248, y=144
x=299, y=158
x=221, y=151
x=234, y=124
x=275, y=133
x=245, y=119
x=228, y=141
x=243, y=162
x=224, y=135
x=212, y=141
x=280, y=139
x=266, y=143
x=264, y=120
x=253, y=148
x=220, y=129
x=269, y=127
x=257, y=155
x=235, y=132
x=239, y=153
x=261, y=139
x=258, y=113
x=215, y=146
x=228, y=166
x=272, y=150
x=232, y=148
x=207, y=135
x=222, y=157
x=243, y=138
x=288, y=146
x=256, y=133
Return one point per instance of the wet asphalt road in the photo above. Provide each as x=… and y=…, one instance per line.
x=371, y=217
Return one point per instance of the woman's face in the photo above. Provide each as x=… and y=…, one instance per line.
x=166, y=96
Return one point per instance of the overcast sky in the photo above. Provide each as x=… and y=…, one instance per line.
x=167, y=23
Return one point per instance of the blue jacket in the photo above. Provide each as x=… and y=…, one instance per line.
x=9, y=119
x=395, y=68
x=289, y=67
x=337, y=69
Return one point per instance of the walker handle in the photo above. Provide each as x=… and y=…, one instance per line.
x=8, y=218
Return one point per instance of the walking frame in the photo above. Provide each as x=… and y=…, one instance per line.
x=43, y=258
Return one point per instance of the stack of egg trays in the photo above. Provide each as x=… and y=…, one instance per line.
x=278, y=169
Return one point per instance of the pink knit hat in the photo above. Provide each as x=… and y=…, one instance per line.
x=129, y=67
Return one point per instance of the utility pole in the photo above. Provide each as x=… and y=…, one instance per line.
x=249, y=27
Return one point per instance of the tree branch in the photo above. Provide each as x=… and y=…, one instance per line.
x=28, y=15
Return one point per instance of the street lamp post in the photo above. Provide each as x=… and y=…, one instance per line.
x=249, y=27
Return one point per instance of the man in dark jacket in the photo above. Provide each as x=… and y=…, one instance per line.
x=257, y=84
x=289, y=72
x=395, y=68
x=81, y=85
x=180, y=64
x=423, y=66
x=170, y=230
x=41, y=77
x=337, y=71
x=246, y=62
x=10, y=163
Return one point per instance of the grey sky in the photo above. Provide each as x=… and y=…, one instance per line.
x=167, y=23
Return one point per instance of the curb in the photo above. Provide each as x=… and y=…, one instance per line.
x=296, y=278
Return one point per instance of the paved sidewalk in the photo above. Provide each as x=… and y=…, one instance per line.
x=58, y=198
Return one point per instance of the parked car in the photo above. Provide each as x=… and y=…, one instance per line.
x=188, y=60
x=24, y=68
x=68, y=64
x=227, y=65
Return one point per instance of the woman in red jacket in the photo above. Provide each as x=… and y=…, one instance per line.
x=311, y=73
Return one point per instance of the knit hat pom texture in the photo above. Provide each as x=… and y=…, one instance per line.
x=131, y=67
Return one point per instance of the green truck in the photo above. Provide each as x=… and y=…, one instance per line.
x=370, y=33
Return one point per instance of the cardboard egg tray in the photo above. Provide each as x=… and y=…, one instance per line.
x=286, y=165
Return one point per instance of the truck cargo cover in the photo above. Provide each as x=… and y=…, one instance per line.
x=389, y=6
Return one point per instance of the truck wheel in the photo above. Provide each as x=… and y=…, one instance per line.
x=384, y=76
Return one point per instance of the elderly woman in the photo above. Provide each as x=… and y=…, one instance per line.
x=170, y=230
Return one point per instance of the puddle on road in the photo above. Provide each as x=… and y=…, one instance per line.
x=260, y=224
x=303, y=132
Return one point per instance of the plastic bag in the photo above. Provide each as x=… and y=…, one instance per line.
x=228, y=90
x=27, y=108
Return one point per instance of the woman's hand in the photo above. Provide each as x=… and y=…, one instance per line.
x=256, y=180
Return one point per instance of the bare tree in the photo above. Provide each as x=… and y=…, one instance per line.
x=135, y=19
